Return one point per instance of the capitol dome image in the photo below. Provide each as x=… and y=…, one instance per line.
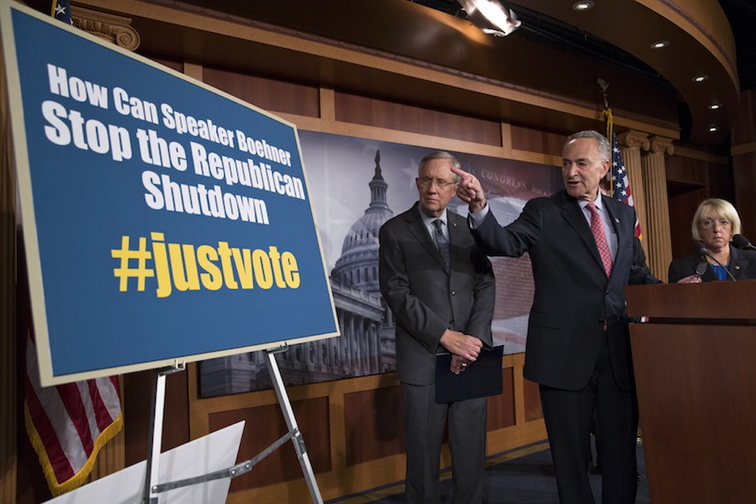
x=358, y=264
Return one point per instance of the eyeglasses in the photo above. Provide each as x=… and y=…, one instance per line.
x=709, y=223
x=426, y=182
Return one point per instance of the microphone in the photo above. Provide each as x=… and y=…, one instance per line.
x=742, y=242
x=701, y=267
x=701, y=249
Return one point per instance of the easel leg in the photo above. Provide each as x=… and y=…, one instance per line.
x=150, y=494
x=291, y=422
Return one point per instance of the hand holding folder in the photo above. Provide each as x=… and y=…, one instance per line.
x=481, y=378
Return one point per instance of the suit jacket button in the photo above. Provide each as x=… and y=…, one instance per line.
x=453, y=293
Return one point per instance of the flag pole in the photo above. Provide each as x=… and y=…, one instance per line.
x=609, y=124
x=619, y=182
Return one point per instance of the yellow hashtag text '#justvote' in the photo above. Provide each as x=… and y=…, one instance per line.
x=185, y=267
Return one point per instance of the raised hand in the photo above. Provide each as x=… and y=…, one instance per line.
x=470, y=191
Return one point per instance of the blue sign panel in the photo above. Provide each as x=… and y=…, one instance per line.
x=164, y=221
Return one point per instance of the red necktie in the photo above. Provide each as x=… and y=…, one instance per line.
x=597, y=227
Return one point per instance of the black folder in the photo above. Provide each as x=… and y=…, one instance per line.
x=481, y=378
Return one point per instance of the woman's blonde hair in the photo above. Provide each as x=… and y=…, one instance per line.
x=715, y=208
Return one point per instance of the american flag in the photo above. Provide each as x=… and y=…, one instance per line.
x=620, y=183
x=61, y=10
x=68, y=424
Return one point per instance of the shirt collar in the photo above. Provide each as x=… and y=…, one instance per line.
x=599, y=202
x=428, y=220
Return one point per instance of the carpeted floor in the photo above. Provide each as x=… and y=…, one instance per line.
x=523, y=477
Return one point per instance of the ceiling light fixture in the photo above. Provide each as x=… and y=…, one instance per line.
x=491, y=16
x=583, y=5
x=660, y=44
x=714, y=106
x=713, y=128
x=700, y=78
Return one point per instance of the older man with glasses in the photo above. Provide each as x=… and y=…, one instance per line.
x=440, y=287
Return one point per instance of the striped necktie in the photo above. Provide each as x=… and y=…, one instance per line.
x=442, y=242
x=597, y=227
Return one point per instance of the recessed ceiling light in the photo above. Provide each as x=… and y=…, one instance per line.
x=660, y=44
x=583, y=5
x=714, y=106
x=700, y=78
x=712, y=128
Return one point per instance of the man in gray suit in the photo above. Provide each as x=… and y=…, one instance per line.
x=441, y=289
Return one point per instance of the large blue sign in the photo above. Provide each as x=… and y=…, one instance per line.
x=163, y=220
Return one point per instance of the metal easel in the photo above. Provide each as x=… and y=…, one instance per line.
x=152, y=488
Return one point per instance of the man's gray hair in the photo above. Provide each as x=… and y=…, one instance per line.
x=439, y=155
x=604, y=148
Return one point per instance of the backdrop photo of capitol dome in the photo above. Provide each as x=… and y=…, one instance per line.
x=356, y=185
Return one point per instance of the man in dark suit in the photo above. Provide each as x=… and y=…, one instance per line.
x=441, y=289
x=578, y=346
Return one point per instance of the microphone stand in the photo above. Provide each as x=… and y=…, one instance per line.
x=701, y=248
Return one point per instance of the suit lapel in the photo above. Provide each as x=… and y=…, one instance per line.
x=737, y=264
x=573, y=214
x=457, y=225
x=623, y=232
x=453, y=223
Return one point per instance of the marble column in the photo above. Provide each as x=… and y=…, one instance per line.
x=110, y=27
x=658, y=243
x=375, y=339
x=354, y=347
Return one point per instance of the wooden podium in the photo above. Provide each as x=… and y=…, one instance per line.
x=695, y=370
